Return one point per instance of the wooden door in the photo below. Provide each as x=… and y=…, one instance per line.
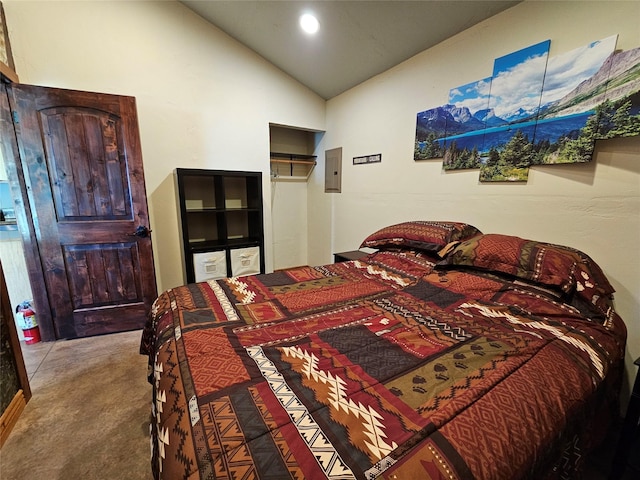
x=82, y=163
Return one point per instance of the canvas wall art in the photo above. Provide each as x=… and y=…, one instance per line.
x=535, y=110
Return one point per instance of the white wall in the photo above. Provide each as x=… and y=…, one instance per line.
x=14, y=267
x=290, y=219
x=204, y=100
x=594, y=207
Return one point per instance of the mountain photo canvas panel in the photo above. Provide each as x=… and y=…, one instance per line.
x=516, y=91
x=438, y=129
x=574, y=89
x=430, y=132
x=619, y=115
x=469, y=107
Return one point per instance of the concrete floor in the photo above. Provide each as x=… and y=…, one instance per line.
x=88, y=417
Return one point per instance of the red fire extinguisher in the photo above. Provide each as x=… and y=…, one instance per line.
x=27, y=322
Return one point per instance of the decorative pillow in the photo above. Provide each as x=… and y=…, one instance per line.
x=555, y=265
x=422, y=235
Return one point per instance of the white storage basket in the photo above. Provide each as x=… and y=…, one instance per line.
x=210, y=265
x=245, y=261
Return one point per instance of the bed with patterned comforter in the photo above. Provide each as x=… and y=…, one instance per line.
x=499, y=359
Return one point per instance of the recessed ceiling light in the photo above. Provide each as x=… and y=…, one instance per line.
x=309, y=23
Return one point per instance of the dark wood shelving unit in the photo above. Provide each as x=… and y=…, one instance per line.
x=221, y=223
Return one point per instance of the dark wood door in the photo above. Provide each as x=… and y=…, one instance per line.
x=81, y=158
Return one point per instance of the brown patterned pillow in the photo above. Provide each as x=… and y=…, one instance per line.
x=421, y=235
x=564, y=267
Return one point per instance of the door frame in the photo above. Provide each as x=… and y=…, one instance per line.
x=24, y=219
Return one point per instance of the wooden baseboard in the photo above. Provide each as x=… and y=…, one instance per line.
x=10, y=416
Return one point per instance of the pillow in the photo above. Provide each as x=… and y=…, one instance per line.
x=421, y=235
x=554, y=265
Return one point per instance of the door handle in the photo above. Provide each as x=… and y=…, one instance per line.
x=141, y=231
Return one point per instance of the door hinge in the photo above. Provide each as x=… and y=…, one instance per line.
x=16, y=118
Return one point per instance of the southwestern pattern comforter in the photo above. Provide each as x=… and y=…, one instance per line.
x=397, y=366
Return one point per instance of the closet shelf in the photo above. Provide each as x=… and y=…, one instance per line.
x=293, y=156
x=291, y=166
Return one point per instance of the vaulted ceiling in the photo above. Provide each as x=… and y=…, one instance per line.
x=356, y=41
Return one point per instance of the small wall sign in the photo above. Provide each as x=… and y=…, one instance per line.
x=377, y=158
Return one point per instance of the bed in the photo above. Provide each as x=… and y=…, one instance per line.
x=445, y=354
